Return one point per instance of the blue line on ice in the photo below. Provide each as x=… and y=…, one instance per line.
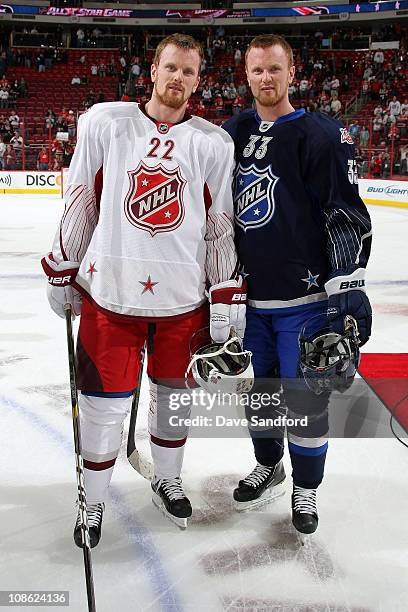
x=167, y=598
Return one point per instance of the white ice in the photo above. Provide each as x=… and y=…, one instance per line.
x=356, y=561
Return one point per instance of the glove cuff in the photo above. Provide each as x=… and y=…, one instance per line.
x=346, y=282
x=59, y=274
x=229, y=292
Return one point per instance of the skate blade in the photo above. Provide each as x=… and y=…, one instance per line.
x=277, y=491
x=182, y=523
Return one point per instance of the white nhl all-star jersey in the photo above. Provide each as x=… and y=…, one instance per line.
x=148, y=212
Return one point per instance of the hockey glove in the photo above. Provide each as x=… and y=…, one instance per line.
x=59, y=291
x=227, y=309
x=347, y=296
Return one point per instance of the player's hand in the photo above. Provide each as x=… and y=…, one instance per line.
x=345, y=299
x=227, y=309
x=59, y=296
x=61, y=275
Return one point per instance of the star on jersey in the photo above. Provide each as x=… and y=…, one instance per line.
x=311, y=280
x=145, y=182
x=92, y=268
x=148, y=285
x=167, y=214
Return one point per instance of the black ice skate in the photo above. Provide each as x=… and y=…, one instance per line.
x=260, y=487
x=304, y=510
x=95, y=514
x=169, y=497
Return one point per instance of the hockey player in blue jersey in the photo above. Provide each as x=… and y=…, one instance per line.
x=303, y=236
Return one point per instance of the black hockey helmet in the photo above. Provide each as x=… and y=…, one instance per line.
x=328, y=361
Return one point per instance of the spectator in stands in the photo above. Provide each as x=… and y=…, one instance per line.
x=385, y=165
x=334, y=85
x=50, y=119
x=364, y=136
x=378, y=110
x=237, y=57
x=43, y=159
x=206, y=95
x=393, y=132
x=383, y=94
x=10, y=159
x=377, y=128
x=71, y=124
x=303, y=87
x=335, y=104
x=23, y=88
x=102, y=70
x=368, y=72
x=404, y=107
x=376, y=165
x=67, y=153
x=4, y=82
x=201, y=110
x=219, y=105
x=135, y=69
x=394, y=107
x=354, y=130
x=387, y=121
x=4, y=98
x=2, y=152
x=237, y=105
x=76, y=80
x=40, y=62
x=62, y=120
x=378, y=60
x=80, y=37
x=94, y=70
x=14, y=120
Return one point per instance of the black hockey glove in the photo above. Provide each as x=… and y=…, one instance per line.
x=347, y=296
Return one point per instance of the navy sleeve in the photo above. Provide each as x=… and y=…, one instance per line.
x=333, y=178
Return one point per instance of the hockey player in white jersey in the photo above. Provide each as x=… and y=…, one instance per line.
x=147, y=228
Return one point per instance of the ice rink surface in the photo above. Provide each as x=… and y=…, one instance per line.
x=356, y=562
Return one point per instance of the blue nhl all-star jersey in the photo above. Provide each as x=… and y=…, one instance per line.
x=299, y=218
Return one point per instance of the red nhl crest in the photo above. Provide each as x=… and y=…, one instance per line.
x=154, y=201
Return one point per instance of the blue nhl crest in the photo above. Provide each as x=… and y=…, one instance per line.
x=253, y=196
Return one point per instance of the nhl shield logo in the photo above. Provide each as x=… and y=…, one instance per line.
x=154, y=201
x=253, y=196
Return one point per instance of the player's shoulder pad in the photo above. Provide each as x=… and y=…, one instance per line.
x=326, y=130
x=101, y=114
x=214, y=133
x=233, y=125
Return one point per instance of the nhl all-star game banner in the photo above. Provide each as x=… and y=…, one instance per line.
x=306, y=11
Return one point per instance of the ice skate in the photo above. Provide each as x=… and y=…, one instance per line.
x=95, y=515
x=169, y=497
x=262, y=486
x=304, y=510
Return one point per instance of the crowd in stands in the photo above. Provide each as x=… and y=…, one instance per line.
x=325, y=80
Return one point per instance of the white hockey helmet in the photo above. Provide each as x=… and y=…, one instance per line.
x=225, y=367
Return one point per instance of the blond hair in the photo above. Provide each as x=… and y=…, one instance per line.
x=269, y=40
x=182, y=41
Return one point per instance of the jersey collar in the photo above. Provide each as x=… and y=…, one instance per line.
x=289, y=117
x=162, y=126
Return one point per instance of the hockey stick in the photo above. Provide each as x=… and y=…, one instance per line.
x=86, y=546
x=136, y=460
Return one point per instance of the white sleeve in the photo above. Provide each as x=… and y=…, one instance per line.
x=83, y=192
x=221, y=259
